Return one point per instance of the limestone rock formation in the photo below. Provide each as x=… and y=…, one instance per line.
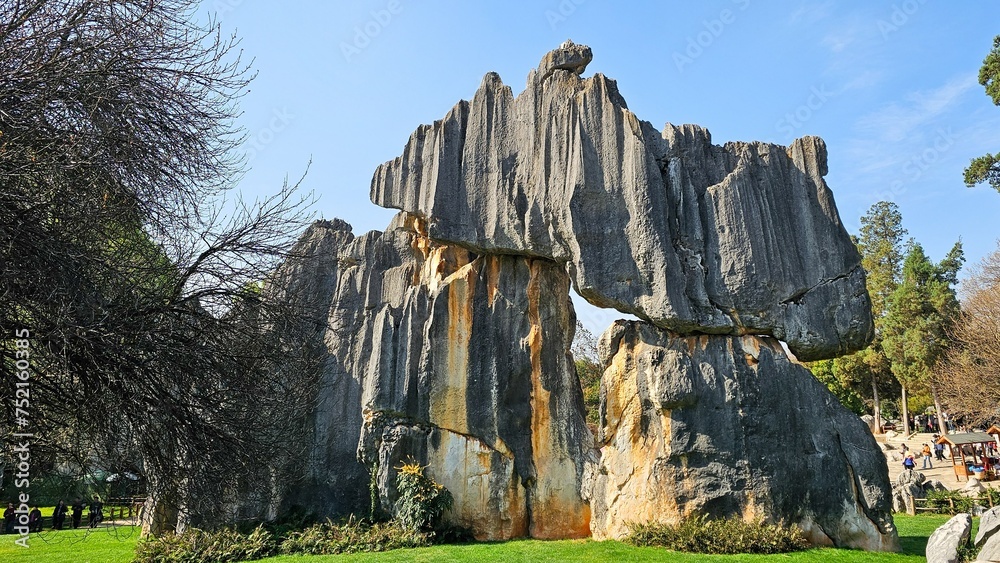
x=446, y=339
x=730, y=426
x=989, y=525
x=457, y=361
x=943, y=545
x=694, y=237
x=990, y=551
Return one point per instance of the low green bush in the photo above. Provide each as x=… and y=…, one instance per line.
x=420, y=506
x=949, y=502
x=352, y=536
x=955, y=502
x=222, y=546
x=726, y=536
x=198, y=546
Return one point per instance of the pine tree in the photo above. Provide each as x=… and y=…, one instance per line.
x=919, y=314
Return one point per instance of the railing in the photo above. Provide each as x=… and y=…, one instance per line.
x=124, y=507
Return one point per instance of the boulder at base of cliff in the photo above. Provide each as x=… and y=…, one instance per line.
x=731, y=427
x=944, y=543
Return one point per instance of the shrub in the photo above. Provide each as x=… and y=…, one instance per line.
x=352, y=536
x=954, y=502
x=199, y=546
x=698, y=534
x=948, y=502
x=421, y=501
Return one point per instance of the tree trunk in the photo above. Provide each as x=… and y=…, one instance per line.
x=942, y=427
x=906, y=414
x=877, y=406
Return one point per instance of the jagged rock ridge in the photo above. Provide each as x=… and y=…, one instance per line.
x=697, y=238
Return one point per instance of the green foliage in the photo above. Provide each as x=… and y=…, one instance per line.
x=955, y=502
x=920, y=313
x=728, y=536
x=984, y=168
x=987, y=168
x=590, y=380
x=825, y=371
x=861, y=379
x=968, y=552
x=421, y=501
x=198, y=546
x=989, y=74
x=352, y=536
x=880, y=243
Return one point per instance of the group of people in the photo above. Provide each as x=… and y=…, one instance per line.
x=925, y=453
x=59, y=515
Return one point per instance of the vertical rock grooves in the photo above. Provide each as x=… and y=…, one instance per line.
x=456, y=360
x=691, y=236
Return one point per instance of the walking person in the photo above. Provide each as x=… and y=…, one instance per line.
x=96, y=511
x=926, y=451
x=77, y=512
x=8, y=519
x=59, y=516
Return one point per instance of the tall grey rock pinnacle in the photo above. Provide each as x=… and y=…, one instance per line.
x=742, y=238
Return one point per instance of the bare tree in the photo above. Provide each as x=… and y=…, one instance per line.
x=969, y=379
x=138, y=276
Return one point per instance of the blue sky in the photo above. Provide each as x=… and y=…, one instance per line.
x=891, y=87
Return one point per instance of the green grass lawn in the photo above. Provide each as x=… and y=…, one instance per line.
x=102, y=545
x=116, y=545
x=913, y=532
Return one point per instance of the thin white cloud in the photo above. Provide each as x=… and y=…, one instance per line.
x=811, y=12
x=897, y=121
x=917, y=145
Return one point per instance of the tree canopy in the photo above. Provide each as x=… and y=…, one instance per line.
x=920, y=314
x=986, y=168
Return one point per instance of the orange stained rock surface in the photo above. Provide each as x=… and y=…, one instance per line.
x=639, y=497
x=557, y=511
x=488, y=499
x=448, y=394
